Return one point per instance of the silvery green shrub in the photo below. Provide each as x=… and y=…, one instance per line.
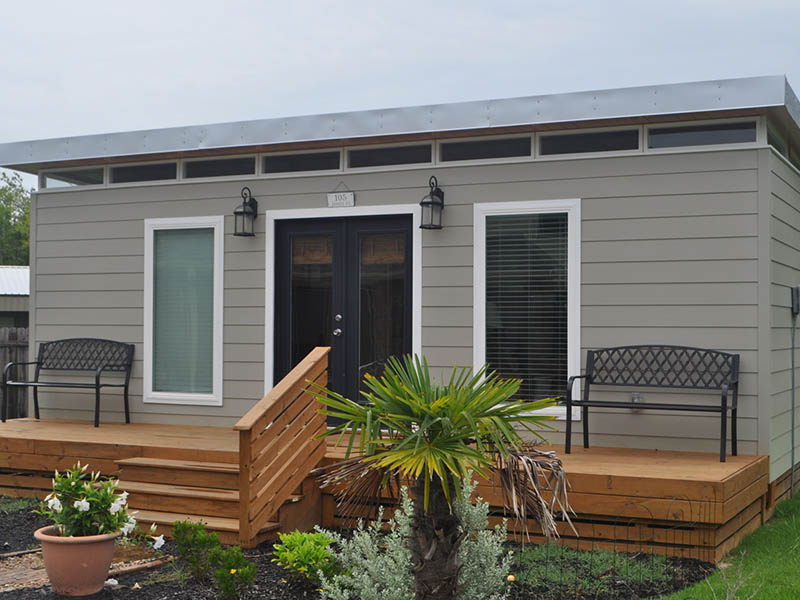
x=485, y=563
x=377, y=565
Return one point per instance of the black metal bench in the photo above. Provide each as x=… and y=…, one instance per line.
x=76, y=354
x=659, y=367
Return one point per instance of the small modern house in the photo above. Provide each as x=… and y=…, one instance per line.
x=519, y=232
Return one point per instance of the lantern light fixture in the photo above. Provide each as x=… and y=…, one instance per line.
x=245, y=215
x=432, y=206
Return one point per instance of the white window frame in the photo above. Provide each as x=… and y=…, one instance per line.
x=182, y=165
x=42, y=179
x=760, y=141
x=217, y=223
x=398, y=167
x=540, y=134
x=572, y=207
x=285, y=174
x=483, y=161
x=178, y=173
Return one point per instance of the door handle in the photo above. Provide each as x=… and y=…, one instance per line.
x=337, y=332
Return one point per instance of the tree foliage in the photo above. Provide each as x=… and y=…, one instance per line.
x=15, y=212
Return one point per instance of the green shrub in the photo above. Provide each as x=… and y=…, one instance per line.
x=196, y=546
x=378, y=565
x=306, y=554
x=233, y=574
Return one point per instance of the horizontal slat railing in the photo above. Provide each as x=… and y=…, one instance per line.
x=278, y=447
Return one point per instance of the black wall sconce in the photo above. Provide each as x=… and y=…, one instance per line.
x=432, y=206
x=245, y=215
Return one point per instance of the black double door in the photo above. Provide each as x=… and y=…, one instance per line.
x=343, y=283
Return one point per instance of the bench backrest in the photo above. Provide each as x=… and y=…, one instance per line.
x=85, y=354
x=662, y=366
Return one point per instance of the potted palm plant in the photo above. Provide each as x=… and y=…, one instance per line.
x=88, y=515
x=411, y=427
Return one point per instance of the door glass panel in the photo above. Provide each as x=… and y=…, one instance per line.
x=311, y=293
x=382, y=285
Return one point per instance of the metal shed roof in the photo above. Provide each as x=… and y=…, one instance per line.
x=14, y=281
x=646, y=101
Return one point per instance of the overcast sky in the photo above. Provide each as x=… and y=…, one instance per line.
x=81, y=67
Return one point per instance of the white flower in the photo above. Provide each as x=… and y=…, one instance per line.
x=129, y=526
x=81, y=505
x=158, y=542
x=123, y=498
x=54, y=504
x=116, y=506
x=152, y=527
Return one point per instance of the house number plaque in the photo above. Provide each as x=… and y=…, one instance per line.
x=337, y=199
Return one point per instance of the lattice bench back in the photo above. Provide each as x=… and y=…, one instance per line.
x=662, y=366
x=85, y=354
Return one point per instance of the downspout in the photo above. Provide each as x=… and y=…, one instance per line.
x=795, y=310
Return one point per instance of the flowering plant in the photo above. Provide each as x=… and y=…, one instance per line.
x=84, y=503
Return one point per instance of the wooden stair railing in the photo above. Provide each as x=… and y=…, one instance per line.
x=278, y=447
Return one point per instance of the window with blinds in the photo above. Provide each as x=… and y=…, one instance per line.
x=183, y=310
x=526, y=300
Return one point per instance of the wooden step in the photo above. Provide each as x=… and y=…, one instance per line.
x=181, y=472
x=182, y=499
x=226, y=528
x=185, y=499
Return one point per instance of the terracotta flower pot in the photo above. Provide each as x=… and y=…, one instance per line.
x=76, y=566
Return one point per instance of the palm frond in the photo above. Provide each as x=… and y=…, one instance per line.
x=360, y=486
x=534, y=486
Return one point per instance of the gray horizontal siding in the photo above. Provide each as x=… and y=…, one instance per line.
x=784, y=241
x=669, y=255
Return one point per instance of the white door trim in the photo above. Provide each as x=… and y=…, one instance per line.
x=321, y=213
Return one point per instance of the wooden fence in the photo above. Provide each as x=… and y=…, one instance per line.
x=14, y=348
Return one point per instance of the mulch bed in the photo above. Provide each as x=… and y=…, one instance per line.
x=167, y=582
x=16, y=529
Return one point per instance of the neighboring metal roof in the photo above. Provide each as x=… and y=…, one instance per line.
x=15, y=281
x=646, y=101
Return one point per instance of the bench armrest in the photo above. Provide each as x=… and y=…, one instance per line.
x=570, y=382
x=99, y=371
x=16, y=364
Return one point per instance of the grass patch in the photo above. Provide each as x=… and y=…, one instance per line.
x=554, y=571
x=8, y=504
x=765, y=565
x=176, y=573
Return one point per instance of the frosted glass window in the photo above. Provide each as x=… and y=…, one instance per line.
x=183, y=310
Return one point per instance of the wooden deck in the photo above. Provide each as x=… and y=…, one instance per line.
x=675, y=503
x=678, y=503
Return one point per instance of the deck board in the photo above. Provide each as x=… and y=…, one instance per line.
x=114, y=441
